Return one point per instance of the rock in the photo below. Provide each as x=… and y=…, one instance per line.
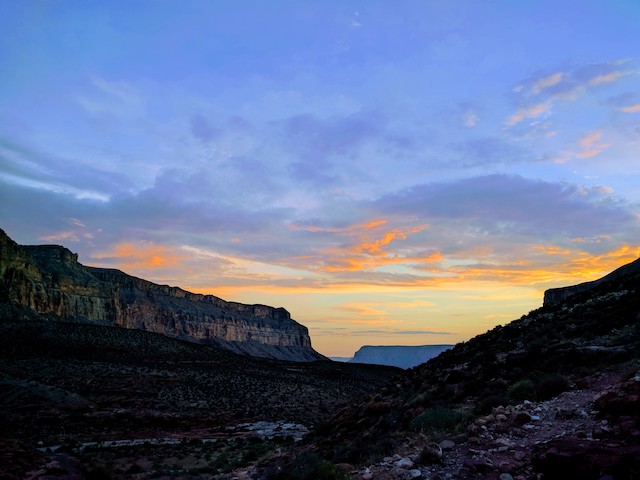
x=415, y=473
x=575, y=458
x=431, y=453
x=506, y=476
x=49, y=280
x=405, y=463
x=501, y=417
x=520, y=418
x=482, y=463
x=447, y=444
x=519, y=455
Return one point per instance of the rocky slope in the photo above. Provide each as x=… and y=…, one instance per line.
x=402, y=356
x=495, y=399
x=49, y=280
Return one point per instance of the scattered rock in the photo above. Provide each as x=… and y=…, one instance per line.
x=447, y=444
x=405, y=463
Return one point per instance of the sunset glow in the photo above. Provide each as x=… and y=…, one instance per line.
x=388, y=172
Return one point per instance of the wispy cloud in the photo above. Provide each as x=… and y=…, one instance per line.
x=532, y=111
x=543, y=83
x=141, y=255
x=591, y=144
x=538, y=94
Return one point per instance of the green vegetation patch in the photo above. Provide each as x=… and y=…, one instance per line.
x=439, y=421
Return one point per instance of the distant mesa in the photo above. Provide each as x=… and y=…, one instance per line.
x=402, y=356
x=48, y=281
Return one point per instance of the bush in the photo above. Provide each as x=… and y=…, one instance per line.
x=310, y=466
x=438, y=421
x=551, y=385
x=521, y=390
x=486, y=404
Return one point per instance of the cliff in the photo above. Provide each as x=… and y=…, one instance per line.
x=555, y=296
x=398, y=355
x=49, y=280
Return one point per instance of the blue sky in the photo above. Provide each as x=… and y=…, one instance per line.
x=390, y=172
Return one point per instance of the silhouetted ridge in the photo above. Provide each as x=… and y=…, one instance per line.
x=558, y=295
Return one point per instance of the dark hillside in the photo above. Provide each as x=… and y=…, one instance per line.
x=544, y=353
x=69, y=383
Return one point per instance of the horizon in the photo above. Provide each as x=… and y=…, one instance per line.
x=410, y=174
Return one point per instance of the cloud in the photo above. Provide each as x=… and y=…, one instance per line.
x=201, y=129
x=509, y=204
x=30, y=167
x=631, y=108
x=369, y=249
x=537, y=95
x=543, y=83
x=121, y=90
x=470, y=118
x=401, y=332
x=552, y=249
x=591, y=144
x=141, y=255
x=110, y=98
x=532, y=111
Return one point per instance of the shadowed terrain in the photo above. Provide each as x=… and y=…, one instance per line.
x=65, y=384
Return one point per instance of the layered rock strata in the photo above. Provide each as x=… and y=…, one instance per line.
x=49, y=280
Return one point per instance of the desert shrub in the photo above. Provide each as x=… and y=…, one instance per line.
x=521, y=390
x=551, y=385
x=310, y=466
x=326, y=470
x=99, y=473
x=486, y=404
x=438, y=421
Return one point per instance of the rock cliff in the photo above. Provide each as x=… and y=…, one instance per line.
x=49, y=280
x=402, y=356
x=554, y=296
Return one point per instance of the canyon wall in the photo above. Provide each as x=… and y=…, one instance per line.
x=49, y=280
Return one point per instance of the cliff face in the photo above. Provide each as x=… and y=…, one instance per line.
x=49, y=280
x=554, y=296
x=398, y=355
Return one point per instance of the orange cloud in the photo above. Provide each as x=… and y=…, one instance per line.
x=546, y=82
x=591, y=145
x=606, y=78
x=533, y=111
x=132, y=256
x=346, y=230
x=369, y=254
x=631, y=108
x=375, y=247
x=552, y=249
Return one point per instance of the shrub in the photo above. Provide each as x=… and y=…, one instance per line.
x=551, y=385
x=486, y=404
x=310, y=466
x=521, y=390
x=438, y=421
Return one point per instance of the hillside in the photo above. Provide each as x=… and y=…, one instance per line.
x=590, y=341
x=64, y=386
x=49, y=280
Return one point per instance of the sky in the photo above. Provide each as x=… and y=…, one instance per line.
x=392, y=173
